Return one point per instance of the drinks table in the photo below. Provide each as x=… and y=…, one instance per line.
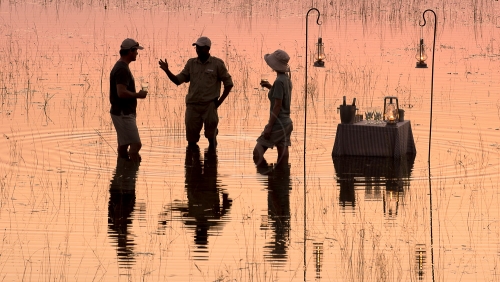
x=374, y=140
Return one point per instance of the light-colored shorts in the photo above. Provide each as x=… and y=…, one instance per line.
x=279, y=138
x=126, y=129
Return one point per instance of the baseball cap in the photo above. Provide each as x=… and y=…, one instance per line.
x=130, y=43
x=203, y=41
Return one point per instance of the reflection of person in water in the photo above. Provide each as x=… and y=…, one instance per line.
x=121, y=206
x=203, y=194
x=278, y=209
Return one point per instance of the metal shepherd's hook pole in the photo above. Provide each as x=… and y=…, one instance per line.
x=430, y=134
x=432, y=76
x=305, y=132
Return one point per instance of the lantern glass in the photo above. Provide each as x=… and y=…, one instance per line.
x=391, y=109
x=421, y=56
x=390, y=113
x=320, y=53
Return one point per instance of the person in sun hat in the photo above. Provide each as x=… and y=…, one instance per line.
x=123, y=98
x=279, y=127
x=205, y=75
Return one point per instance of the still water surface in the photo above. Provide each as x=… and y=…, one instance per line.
x=70, y=211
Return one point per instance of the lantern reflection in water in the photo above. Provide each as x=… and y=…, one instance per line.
x=393, y=194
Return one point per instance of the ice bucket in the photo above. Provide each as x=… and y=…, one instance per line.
x=347, y=114
x=401, y=115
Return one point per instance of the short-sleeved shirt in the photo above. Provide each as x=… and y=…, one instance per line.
x=281, y=89
x=204, y=79
x=121, y=74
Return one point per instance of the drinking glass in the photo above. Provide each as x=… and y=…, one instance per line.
x=369, y=115
x=264, y=78
x=377, y=115
x=144, y=85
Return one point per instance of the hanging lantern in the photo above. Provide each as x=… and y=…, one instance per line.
x=391, y=110
x=421, y=56
x=320, y=53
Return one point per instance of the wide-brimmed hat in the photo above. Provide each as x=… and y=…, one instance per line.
x=130, y=43
x=203, y=41
x=278, y=60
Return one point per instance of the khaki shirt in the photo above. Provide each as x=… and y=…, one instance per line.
x=205, y=79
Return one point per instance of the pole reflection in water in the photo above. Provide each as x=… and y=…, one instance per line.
x=207, y=203
x=373, y=175
x=278, y=212
x=120, y=208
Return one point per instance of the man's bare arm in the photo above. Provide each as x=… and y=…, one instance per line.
x=171, y=76
x=124, y=93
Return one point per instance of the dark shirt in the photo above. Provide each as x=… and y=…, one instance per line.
x=120, y=74
x=281, y=89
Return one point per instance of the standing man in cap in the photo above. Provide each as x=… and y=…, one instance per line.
x=123, y=98
x=205, y=74
x=279, y=126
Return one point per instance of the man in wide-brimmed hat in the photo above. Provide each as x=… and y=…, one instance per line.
x=123, y=98
x=204, y=74
x=279, y=128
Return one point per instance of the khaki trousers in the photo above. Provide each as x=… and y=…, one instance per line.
x=198, y=116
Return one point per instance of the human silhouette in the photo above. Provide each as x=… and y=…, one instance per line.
x=207, y=203
x=120, y=208
x=278, y=211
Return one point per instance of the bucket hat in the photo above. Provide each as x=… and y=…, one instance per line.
x=278, y=60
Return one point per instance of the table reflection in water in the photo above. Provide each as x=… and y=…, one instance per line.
x=382, y=179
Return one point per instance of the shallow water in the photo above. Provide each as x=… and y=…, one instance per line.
x=70, y=211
